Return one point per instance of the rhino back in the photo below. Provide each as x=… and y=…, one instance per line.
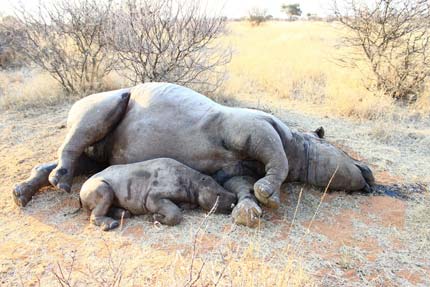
x=166, y=120
x=131, y=184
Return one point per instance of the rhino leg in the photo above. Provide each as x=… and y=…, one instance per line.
x=247, y=211
x=210, y=197
x=165, y=211
x=24, y=191
x=90, y=120
x=265, y=145
x=118, y=213
x=97, y=196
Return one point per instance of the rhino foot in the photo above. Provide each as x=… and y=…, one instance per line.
x=61, y=178
x=167, y=220
x=118, y=213
x=22, y=194
x=247, y=212
x=109, y=225
x=266, y=194
x=105, y=223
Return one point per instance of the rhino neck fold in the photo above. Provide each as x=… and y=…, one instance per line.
x=299, y=153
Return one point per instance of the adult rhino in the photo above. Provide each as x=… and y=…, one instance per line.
x=245, y=150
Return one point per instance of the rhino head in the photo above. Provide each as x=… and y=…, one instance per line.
x=315, y=161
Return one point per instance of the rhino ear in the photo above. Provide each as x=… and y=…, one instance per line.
x=320, y=132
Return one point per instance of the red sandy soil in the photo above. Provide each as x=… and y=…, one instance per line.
x=353, y=240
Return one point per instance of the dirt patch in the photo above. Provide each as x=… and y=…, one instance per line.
x=353, y=240
x=385, y=210
x=412, y=277
x=384, y=177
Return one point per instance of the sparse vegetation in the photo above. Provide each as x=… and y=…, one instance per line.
x=67, y=39
x=8, y=55
x=297, y=69
x=24, y=88
x=258, y=15
x=79, y=43
x=168, y=41
x=292, y=10
x=278, y=74
x=286, y=68
x=393, y=38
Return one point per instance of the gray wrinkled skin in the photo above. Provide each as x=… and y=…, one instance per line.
x=155, y=120
x=155, y=186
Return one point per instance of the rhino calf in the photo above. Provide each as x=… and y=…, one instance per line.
x=155, y=186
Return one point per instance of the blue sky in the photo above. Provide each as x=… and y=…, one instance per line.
x=232, y=8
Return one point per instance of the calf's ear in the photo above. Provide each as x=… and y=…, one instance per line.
x=320, y=132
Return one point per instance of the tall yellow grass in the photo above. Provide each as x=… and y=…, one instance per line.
x=294, y=63
x=283, y=64
x=28, y=88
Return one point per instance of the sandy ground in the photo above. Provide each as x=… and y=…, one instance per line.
x=346, y=240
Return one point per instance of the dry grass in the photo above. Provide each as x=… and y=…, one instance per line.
x=278, y=65
x=158, y=268
x=296, y=62
x=32, y=88
x=28, y=88
x=119, y=262
x=287, y=63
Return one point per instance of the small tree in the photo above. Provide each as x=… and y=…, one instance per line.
x=168, y=40
x=292, y=10
x=258, y=15
x=66, y=38
x=393, y=37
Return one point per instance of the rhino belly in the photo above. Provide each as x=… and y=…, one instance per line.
x=150, y=137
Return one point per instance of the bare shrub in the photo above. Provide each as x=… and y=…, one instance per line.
x=392, y=37
x=257, y=16
x=110, y=274
x=8, y=56
x=172, y=41
x=66, y=39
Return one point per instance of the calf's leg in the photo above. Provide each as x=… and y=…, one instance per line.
x=165, y=211
x=97, y=196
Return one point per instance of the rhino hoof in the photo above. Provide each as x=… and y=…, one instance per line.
x=64, y=187
x=56, y=175
x=61, y=178
x=247, y=212
x=111, y=225
x=266, y=195
x=274, y=202
x=21, y=194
